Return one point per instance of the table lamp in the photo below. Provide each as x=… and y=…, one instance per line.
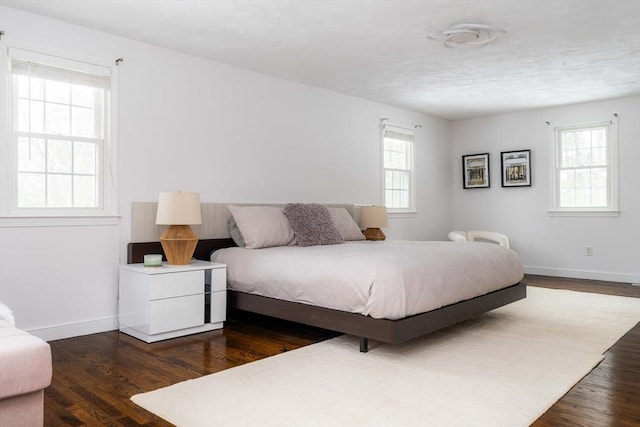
x=372, y=218
x=178, y=211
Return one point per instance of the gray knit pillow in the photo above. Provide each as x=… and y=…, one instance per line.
x=312, y=224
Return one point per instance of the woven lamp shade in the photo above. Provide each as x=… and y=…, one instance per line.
x=179, y=210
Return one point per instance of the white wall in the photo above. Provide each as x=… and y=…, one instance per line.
x=238, y=136
x=230, y=134
x=552, y=245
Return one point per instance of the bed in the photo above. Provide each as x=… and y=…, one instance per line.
x=265, y=291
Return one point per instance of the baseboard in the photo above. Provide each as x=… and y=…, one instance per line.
x=70, y=330
x=583, y=274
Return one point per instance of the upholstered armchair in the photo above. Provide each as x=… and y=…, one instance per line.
x=25, y=371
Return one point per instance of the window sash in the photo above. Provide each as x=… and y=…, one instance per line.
x=49, y=173
x=397, y=150
x=582, y=181
x=84, y=187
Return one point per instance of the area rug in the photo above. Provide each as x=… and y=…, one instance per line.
x=504, y=368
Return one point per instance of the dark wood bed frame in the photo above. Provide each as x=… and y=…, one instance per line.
x=365, y=327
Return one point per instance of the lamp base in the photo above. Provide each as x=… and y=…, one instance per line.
x=179, y=243
x=374, y=234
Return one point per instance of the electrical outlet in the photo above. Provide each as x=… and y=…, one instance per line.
x=588, y=250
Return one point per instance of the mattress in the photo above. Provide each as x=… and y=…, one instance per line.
x=384, y=280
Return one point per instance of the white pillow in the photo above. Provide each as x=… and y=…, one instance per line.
x=263, y=226
x=234, y=232
x=345, y=224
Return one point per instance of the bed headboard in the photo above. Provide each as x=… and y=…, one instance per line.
x=213, y=232
x=214, y=219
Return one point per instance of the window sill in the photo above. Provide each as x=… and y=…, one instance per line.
x=584, y=213
x=66, y=221
x=402, y=214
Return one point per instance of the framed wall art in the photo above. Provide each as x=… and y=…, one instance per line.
x=516, y=168
x=475, y=171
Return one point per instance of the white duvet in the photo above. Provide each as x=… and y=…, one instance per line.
x=391, y=279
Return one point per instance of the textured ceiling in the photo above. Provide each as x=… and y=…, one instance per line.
x=554, y=52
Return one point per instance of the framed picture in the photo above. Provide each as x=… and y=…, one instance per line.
x=475, y=171
x=516, y=168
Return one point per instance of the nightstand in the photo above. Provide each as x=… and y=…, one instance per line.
x=158, y=303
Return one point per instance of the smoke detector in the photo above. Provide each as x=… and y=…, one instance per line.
x=467, y=36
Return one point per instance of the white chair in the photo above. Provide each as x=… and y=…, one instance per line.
x=458, y=236
x=480, y=236
x=488, y=236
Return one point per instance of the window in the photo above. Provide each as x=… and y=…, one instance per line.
x=585, y=168
x=397, y=145
x=59, y=146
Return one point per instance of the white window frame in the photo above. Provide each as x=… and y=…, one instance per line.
x=411, y=209
x=612, y=208
x=10, y=214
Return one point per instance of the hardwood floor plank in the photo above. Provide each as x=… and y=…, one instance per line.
x=94, y=376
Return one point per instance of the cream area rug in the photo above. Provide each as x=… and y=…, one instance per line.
x=504, y=368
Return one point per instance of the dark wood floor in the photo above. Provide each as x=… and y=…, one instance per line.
x=94, y=376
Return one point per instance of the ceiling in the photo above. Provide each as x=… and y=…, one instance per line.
x=553, y=53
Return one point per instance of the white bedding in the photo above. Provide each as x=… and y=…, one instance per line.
x=391, y=279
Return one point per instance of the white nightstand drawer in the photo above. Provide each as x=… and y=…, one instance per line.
x=171, y=285
x=218, y=306
x=176, y=313
x=219, y=279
